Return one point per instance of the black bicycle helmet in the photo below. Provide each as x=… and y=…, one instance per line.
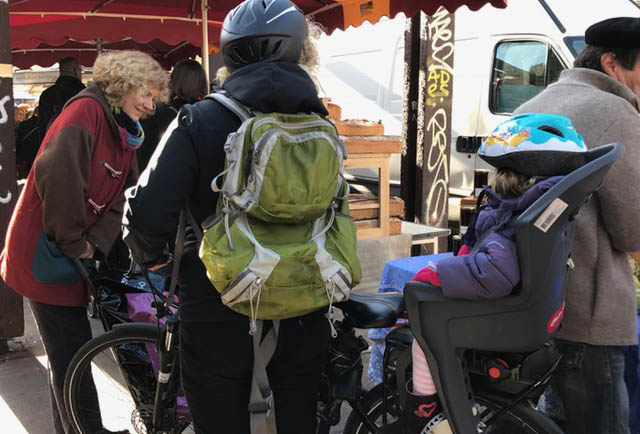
x=262, y=30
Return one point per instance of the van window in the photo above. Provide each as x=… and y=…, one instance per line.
x=521, y=69
x=576, y=44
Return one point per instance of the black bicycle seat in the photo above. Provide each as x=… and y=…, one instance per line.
x=373, y=311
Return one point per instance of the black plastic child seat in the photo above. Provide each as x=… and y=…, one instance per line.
x=524, y=320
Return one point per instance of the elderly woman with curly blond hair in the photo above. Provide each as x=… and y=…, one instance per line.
x=72, y=203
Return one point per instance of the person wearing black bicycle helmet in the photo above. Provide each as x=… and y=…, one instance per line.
x=266, y=50
x=258, y=30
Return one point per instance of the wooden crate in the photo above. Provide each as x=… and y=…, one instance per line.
x=363, y=207
x=395, y=225
x=358, y=127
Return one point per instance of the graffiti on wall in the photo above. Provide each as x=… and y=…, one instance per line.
x=4, y=118
x=440, y=69
x=437, y=148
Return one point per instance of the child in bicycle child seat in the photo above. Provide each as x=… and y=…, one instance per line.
x=527, y=151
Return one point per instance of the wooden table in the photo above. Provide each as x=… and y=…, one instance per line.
x=423, y=234
x=366, y=152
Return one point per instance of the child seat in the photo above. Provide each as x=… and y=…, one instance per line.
x=522, y=321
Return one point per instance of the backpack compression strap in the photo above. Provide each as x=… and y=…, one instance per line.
x=261, y=397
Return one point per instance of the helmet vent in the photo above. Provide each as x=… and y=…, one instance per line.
x=551, y=130
x=237, y=56
x=264, y=4
x=276, y=48
x=264, y=47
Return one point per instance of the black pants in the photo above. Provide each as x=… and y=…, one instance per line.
x=217, y=364
x=63, y=330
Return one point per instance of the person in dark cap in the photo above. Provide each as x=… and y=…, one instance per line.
x=55, y=97
x=600, y=96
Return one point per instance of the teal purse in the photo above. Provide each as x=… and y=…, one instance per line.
x=50, y=265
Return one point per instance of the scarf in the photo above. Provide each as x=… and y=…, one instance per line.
x=131, y=132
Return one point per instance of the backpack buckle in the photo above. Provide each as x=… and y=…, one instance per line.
x=262, y=406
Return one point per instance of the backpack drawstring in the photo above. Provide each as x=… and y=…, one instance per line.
x=329, y=314
x=254, y=312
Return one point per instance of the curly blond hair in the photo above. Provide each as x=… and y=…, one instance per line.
x=309, y=58
x=117, y=72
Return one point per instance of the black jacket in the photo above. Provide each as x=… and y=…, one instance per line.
x=182, y=172
x=54, y=98
x=154, y=127
x=28, y=140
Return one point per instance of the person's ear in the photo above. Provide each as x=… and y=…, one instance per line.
x=610, y=65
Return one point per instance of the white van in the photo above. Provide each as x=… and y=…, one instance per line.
x=502, y=57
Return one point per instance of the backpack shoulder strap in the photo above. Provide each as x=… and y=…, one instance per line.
x=231, y=104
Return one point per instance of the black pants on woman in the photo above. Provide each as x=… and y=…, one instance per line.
x=217, y=364
x=63, y=330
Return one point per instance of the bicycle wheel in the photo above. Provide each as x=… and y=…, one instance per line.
x=372, y=403
x=521, y=419
x=111, y=383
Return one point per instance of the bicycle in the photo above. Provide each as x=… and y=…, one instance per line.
x=490, y=360
x=128, y=359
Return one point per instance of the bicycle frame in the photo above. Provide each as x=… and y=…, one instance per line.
x=168, y=364
x=343, y=386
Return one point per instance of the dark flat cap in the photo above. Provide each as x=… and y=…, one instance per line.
x=621, y=32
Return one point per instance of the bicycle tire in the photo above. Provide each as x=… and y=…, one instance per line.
x=521, y=419
x=123, y=378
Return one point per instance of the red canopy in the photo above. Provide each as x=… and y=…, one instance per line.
x=34, y=22
x=86, y=52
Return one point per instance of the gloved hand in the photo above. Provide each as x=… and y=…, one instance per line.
x=428, y=274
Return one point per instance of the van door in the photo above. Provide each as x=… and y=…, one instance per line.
x=521, y=67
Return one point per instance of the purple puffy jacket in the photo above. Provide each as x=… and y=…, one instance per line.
x=493, y=270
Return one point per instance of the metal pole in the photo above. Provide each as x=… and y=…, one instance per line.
x=205, y=39
x=11, y=314
x=410, y=188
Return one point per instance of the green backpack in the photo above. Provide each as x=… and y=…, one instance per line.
x=283, y=243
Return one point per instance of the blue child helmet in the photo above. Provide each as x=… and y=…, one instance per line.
x=535, y=145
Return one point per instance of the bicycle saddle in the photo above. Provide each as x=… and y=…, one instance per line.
x=373, y=311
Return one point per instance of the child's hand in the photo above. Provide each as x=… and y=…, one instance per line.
x=428, y=274
x=464, y=250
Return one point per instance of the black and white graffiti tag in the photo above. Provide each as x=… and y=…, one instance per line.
x=439, y=70
x=4, y=118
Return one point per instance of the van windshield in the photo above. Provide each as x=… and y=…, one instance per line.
x=575, y=43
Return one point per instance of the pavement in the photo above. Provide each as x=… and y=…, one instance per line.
x=24, y=394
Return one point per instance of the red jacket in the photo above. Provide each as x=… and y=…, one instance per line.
x=74, y=193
